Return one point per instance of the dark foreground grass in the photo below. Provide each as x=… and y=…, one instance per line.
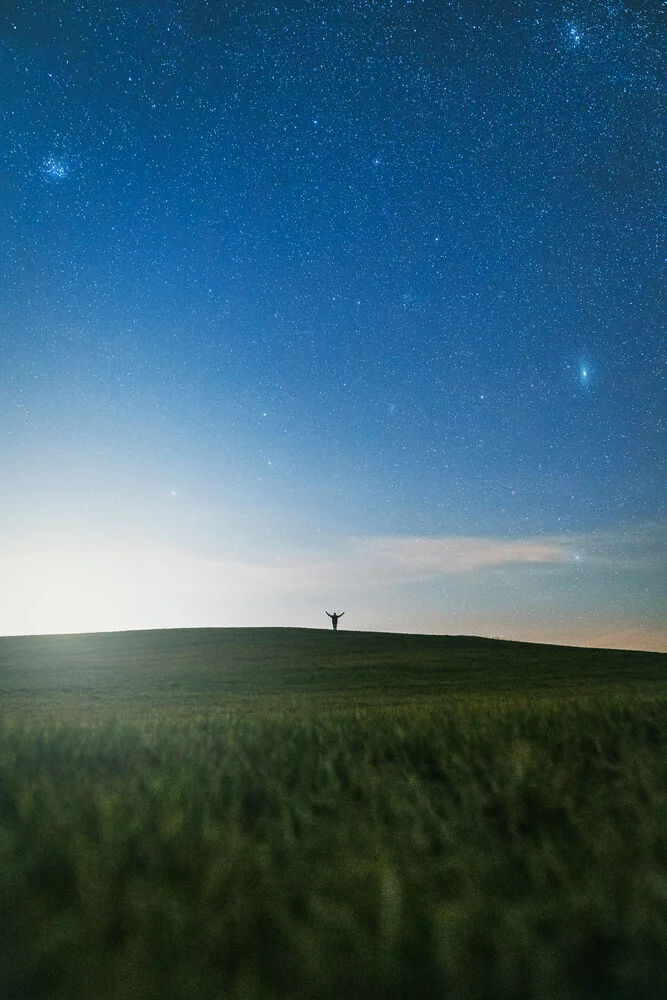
x=483, y=850
x=483, y=845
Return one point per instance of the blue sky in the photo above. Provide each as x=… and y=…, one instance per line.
x=308, y=305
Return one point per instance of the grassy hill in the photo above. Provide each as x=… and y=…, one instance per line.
x=245, y=663
x=431, y=816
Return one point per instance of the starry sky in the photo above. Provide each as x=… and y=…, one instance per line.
x=350, y=306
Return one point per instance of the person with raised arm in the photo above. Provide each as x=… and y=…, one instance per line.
x=334, y=618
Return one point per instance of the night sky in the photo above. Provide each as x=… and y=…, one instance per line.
x=355, y=307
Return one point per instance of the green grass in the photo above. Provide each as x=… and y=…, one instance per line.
x=213, y=666
x=292, y=813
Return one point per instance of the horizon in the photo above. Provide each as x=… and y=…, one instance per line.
x=315, y=628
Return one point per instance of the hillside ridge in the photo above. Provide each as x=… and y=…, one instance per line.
x=250, y=663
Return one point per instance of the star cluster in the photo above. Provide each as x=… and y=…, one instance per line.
x=388, y=267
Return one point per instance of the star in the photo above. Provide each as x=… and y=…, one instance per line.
x=55, y=169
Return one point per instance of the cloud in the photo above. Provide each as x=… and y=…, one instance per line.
x=379, y=562
x=422, y=558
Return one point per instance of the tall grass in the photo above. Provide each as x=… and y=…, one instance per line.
x=481, y=848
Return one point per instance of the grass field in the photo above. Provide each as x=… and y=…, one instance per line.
x=307, y=814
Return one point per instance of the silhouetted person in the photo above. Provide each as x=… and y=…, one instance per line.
x=334, y=618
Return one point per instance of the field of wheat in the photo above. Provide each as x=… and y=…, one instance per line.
x=479, y=844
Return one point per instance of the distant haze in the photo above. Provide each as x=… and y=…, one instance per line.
x=534, y=589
